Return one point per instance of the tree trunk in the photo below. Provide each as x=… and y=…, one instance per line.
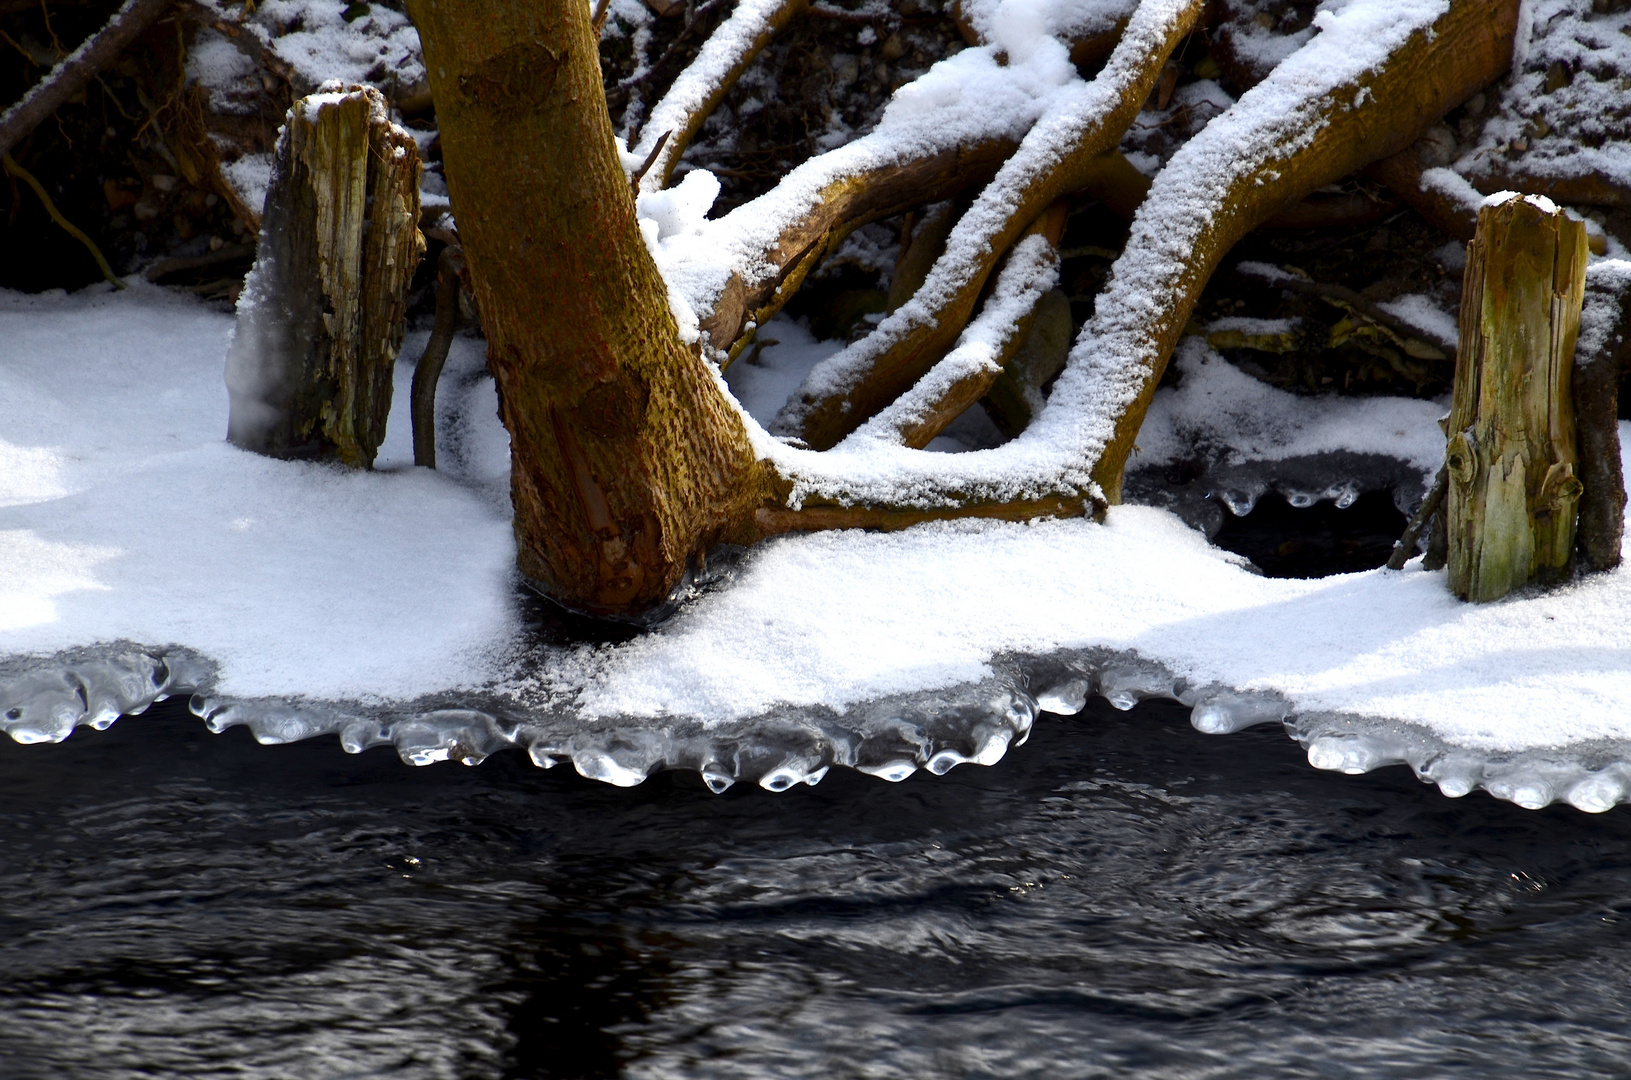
x=321, y=321
x=1511, y=502
x=627, y=459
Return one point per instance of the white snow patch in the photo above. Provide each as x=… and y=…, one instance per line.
x=1219, y=407
x=131, y=519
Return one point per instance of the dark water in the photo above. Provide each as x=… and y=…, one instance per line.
x=1119, y=897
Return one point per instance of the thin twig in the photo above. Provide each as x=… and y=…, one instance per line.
x=1405, y=546
x=598, y=19
x=70, y=77
x=27, y=177
x=651, y=159
x=46, y=13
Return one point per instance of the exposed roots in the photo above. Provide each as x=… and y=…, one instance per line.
x=71, y=76
x=1059, y=156
x=751, y=297
x=1276, y=155
x=964, y=375
x=1322, y=115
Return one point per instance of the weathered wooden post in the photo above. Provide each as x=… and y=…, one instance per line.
x=322, y=313
x=1511, y=459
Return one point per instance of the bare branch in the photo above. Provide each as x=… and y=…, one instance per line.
x=651, y=159
x=700, y=88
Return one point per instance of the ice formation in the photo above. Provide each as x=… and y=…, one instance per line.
x=142, y=557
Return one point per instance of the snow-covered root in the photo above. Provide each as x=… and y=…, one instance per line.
x=676, y=119
x=772, y=275
x=1059, y=156
x=963, y=376
x=1324, y=113
x=1344, y=100
x=947, y=131
x=1418, y=176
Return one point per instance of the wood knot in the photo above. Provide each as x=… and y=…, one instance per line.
x=1461, y=459
x=1561, y=488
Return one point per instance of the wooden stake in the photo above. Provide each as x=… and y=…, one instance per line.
x=1512, y=458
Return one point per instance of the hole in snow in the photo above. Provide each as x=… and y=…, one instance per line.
x=1316, y=541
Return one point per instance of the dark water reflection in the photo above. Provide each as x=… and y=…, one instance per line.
x=1120, y=897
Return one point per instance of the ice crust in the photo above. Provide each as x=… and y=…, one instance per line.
x=143, y=557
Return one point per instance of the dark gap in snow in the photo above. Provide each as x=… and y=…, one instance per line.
x=1317, y=541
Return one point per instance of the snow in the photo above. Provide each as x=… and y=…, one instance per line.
x=1219, y=408
x=1063, y=19
x=125, y=516
x=1424, y=315
x=963, y=100
x=251, y=177
x=1577, y=129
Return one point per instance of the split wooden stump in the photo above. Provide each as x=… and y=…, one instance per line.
x=322, y=313
x=1512, y=459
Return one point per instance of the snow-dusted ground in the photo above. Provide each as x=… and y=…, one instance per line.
x=124, y=516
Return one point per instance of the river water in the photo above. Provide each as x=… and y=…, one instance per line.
x=1120, y=896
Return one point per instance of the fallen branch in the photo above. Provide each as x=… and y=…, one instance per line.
x=1417, y=175
x=181, y=264
x=1405, y=545
x=1410, y=338
x=68, y=78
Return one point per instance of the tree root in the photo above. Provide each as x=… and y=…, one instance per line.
x=774, y=519
x=67, y=226
x=964, y=375
x=1061, y=155
x=680, y=114
x=1122, y=353
x=449, y=267
x=747, y=300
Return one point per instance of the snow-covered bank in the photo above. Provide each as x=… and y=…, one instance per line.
x=125, y=517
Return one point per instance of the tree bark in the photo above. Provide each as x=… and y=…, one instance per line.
x=1512, y=458
x=627, y=459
